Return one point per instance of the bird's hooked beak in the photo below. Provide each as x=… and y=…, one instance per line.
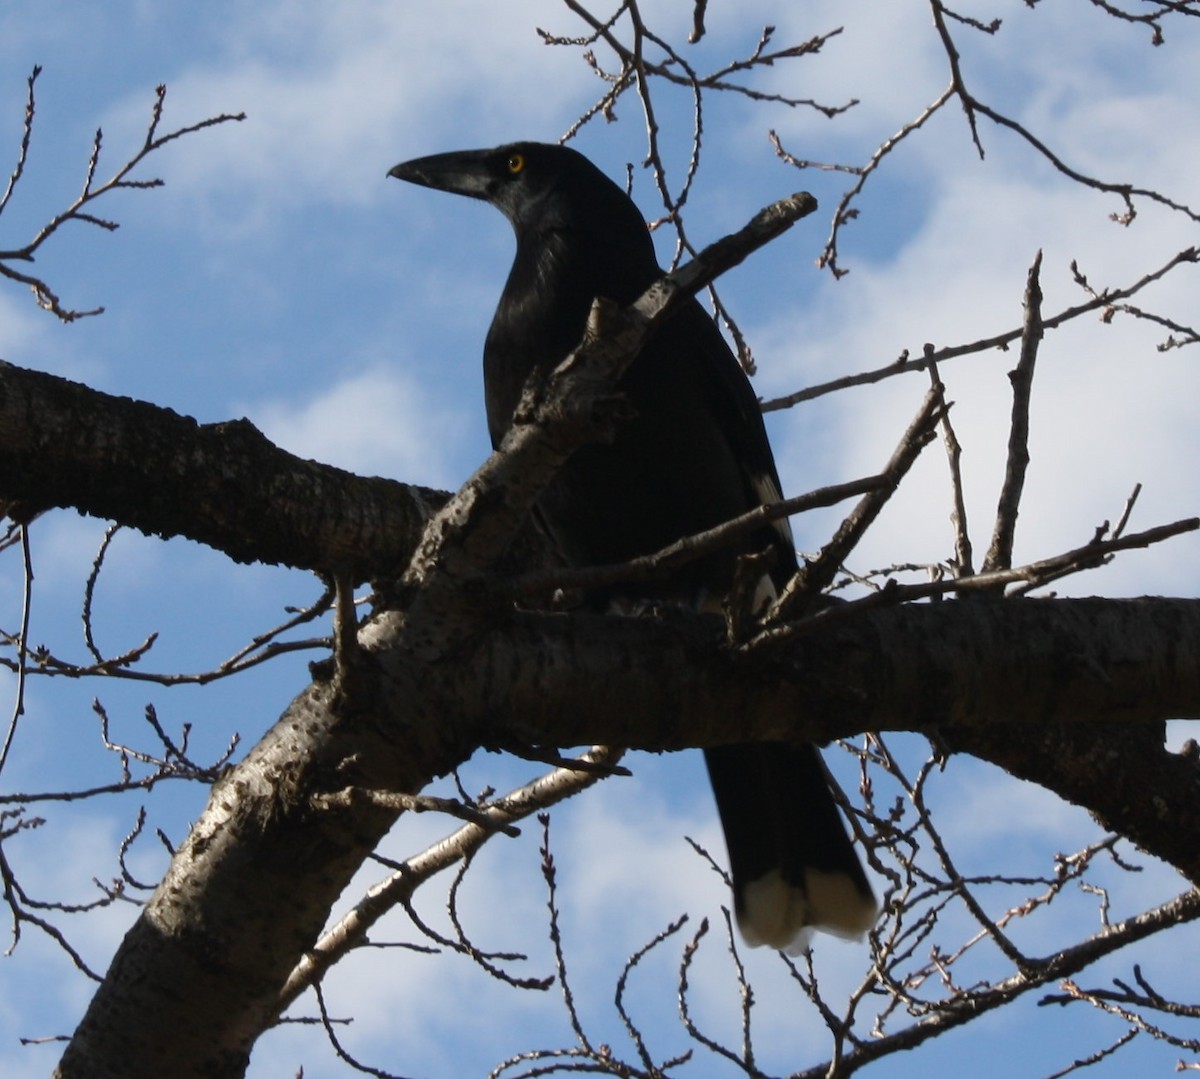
x=464, y=172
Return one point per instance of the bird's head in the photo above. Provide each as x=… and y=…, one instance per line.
x=537, y=186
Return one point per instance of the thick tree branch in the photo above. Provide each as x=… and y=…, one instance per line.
x=651, y=684
x=224, y=484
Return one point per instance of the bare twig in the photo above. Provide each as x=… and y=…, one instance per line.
x=999, y=555
x=963, y=556
x=26, y=135
x=386, y=895
x=670, y=558
x=79, y=209
x=906, y=364
x=843, y=212
x=22, y=649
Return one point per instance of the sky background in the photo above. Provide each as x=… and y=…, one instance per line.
x=281, y=276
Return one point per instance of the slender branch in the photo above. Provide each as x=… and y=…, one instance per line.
x=905, y=364
x=669, y=558
x=79, y=210
x=22, y=649
x=26, y=135
x=963, y=555
x=352, y=929
x=957, y=85
x=999, y=555
x=842, y=212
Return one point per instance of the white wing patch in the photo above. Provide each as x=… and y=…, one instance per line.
x=768, y=494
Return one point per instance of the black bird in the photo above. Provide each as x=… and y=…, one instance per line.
x=694, y=455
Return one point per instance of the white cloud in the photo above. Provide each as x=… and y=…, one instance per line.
x=885, y=58
x=334, y=95
x=379, y=422
x=80, y=849
x=22, y=323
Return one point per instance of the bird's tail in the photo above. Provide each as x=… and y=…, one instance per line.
x=794, y=868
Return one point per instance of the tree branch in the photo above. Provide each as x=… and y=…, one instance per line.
x=223, y=484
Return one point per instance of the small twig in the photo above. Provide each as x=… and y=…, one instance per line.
x=906, y=364
x=1130, y=502
x=631, y=1028
x=956, y=77
x=685, y=1016
x=339, y=1049
x=843, y=212
x=89, y=591
x=550, y=875
x=1098, y=1056
x=26, y=134
x=689, y=548
x=22, y=649
x=999, y=555
x=963, y=554
x=79, y=210
x=261, y=648
x=486, y=961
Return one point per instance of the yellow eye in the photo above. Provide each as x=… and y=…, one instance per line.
x=515, y=164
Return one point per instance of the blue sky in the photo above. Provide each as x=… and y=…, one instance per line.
x=281, y=276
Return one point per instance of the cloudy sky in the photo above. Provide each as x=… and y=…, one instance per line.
x=281, y=276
